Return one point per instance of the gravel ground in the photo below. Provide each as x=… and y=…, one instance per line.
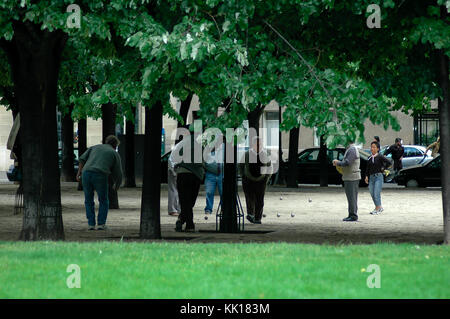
x=307, y=215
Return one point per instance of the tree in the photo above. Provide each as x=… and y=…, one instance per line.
x=33, y=36
x=34, y=55
x=323, y=160
x=150, y=227
x=291, y=176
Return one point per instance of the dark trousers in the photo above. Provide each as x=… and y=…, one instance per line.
x=351, y=191
x=99, y=182
x=188, y=186
x=254, y=196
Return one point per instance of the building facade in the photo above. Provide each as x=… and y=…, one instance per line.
x=414, y=130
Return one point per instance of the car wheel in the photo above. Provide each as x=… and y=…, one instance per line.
x=412, y=183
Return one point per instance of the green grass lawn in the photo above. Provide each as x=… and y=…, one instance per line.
x=180, y=270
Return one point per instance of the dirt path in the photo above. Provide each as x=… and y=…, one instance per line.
x=409, y=216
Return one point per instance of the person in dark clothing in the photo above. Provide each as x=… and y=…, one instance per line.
x=377, y=139
x=96, y=164
x=397, y=151
x=376, y=164
x=256, y=170
x=190, y=174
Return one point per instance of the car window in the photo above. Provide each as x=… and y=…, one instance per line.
x=436, y=163
x=383, y=150
x=309, y=156
x=412, y=152
x=335, y=154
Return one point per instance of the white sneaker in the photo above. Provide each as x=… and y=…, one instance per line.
x=377, y=212
x=102, y=227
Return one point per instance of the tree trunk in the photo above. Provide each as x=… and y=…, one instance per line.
x=184, y=109
x=444, y=127
x=130, y=154
x=82, y=142
x=68, y=156
x=228, y=222
x=323, y=160
x=293, y=157
x=109, y=128
x=35, y=57
x=253, y=118
x=150, y=227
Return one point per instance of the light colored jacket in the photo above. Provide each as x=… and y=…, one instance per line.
x=350, y=164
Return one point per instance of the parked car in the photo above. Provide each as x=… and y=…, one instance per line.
x=422, y=175
x=308, y=166
x=414, y=155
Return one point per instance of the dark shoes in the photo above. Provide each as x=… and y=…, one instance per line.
x=188, y=229
x=350, y=219
x=179, y=226
x=252, y=219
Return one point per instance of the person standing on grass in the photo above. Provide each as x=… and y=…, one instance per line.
x=255, y=171
x=376, y=164
x=351, y=175
x=213, y=177
x=95, y=166
x=189, y=177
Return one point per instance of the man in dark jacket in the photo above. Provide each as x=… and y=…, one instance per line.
x=95, y=166
x=256, y=169
x=190, y=174
x=397, y=151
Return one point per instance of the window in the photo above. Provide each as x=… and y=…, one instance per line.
x=334, y=154
x=309, y=156
x=316, y=138
x=412, y=152
x=272, y=130
x=426, y=128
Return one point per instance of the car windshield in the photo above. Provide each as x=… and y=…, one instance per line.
x=436, y=163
